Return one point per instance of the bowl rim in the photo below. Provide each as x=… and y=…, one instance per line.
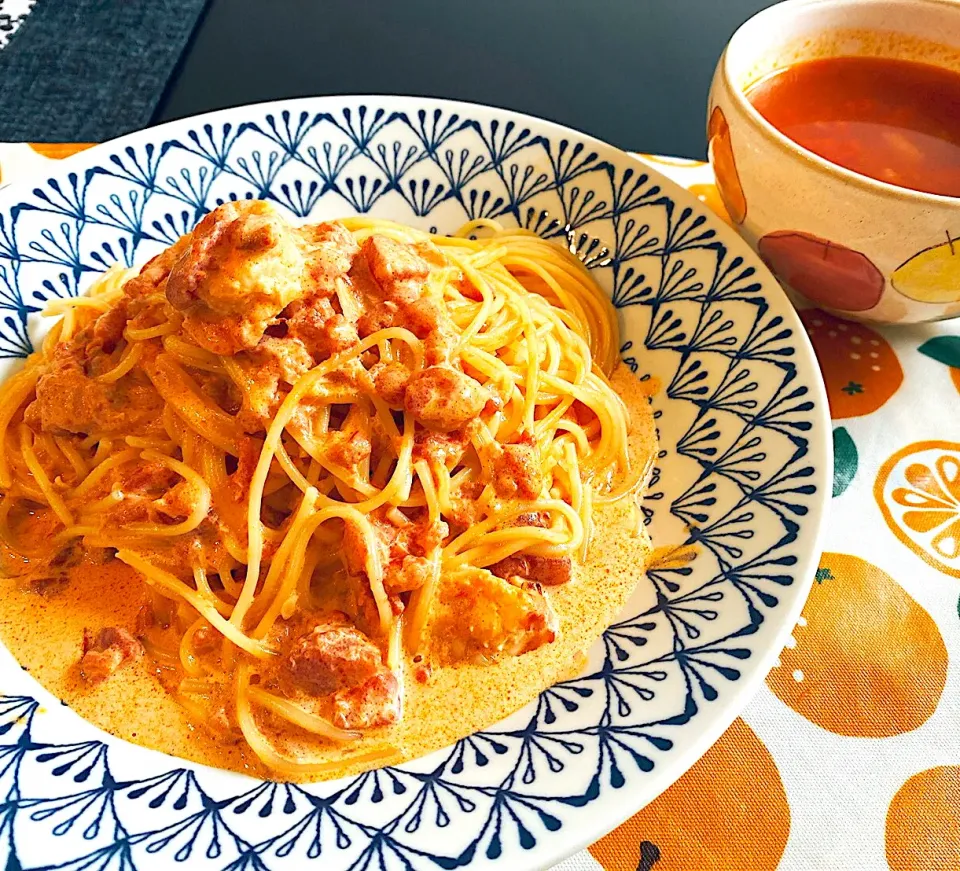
x=724, y=79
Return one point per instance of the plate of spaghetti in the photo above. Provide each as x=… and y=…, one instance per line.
x=388, y=482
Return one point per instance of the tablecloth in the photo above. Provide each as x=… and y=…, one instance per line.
x=849, y=756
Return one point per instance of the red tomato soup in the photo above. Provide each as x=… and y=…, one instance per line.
x=893, y=120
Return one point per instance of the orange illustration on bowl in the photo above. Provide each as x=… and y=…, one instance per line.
x=918, y=492
x=720, y=149
x=931, y=275
x=860, y=369
x=824, y=272
x=729, y=811
x=865, y=660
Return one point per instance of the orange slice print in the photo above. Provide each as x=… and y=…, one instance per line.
x=918, y=491
x=724, y=165
x=923, y=822
x=860, y=369
x=727, y=813
x=865, y=660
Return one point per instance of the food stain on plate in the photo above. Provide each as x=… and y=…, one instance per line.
x=865, y=660
x=824, y=272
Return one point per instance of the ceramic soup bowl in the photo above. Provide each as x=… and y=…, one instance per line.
x=863, y=248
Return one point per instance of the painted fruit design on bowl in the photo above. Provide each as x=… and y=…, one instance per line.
x=826, y=273
x=720, y=150
x=931, y=275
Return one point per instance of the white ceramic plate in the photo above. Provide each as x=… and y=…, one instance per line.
x=743, y=475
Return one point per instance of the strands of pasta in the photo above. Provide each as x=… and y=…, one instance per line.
x=531, y=325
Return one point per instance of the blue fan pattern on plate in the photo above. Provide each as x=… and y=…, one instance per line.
x=737, y=420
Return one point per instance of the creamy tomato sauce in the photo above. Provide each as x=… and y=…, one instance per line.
x=44, y=630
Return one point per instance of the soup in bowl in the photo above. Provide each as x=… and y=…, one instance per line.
x=834, y=133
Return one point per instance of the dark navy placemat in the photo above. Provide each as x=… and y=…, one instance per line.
x=89, y=70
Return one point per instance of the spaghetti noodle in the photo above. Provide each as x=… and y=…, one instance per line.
x=323, y=449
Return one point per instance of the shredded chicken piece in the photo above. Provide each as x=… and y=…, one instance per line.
x=402, y=550
x=374, y=703
x=517, y=472
x=390, y=381
x=102, y=655
x=549, y=571
x=332, y=657
x=480, y=615
x=71, y=400
x=244, y=265
x=443, y=398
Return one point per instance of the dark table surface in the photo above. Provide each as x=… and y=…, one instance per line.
x=632, y=72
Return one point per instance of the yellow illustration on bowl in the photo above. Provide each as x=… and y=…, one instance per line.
x=931, y=275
